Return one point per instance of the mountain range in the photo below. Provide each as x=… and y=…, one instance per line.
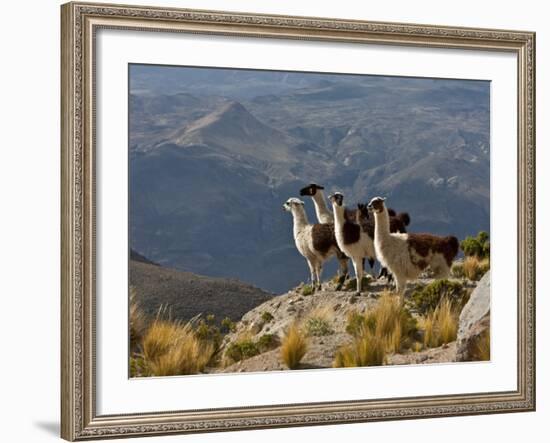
x=215, y=153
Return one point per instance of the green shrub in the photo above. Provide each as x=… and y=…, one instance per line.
x=351, y=285
x=267, y=316
x=479, y=246
x=267, y=342
x=138, y=367
x=228, y=325
x=358, y=323
x=457, y=269
x=241, y=350
x=307, y=290
x=318, y=327
x=208, y=332
x=426, y=299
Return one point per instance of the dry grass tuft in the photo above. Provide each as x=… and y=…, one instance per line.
x=440, y=326
x=474, y=268
x=481, y=350
x=384, y=329
x=172, y=348
x=294, y=347
x=138, y=319
x=366, y=350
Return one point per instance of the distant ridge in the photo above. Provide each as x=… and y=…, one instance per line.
x=186, y=294
x=136, y=256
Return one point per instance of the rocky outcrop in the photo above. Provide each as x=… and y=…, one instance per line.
x=474, y=320
x=326, y=313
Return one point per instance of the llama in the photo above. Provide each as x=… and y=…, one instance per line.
x=321, y=210
x=325, y=216
x=407, y=255
x=316, y=242
x=398, y=223
x=352, y=240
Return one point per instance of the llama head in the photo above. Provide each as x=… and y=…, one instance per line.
x=310, y=190
x=377, y=204
x=293, y=203
x=363, y=211
x=337, y=199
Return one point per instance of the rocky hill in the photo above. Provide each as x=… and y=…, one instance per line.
x=187, y=294
x=273, y=318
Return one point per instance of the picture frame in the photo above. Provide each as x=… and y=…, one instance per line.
x=81, y=22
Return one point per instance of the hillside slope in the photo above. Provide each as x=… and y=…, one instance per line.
x=187, y=294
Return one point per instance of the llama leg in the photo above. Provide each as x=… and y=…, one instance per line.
x=312, y=273
x=358, y=274
x=343, y=272
x=400, y=286
x=318, y=271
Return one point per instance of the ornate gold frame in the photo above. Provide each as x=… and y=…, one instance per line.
x=79, y=420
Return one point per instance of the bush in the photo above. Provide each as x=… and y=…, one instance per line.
x=457, y=269
x=351, y=285
x=318, y=327
x=138, y=367
x=307, y=290
x=172, y=348
x=366, y=350
x=357, y=323
x=426, y=299
x=474, y=268
x=228, y=325
x=267, y=342
x=267, y=317
x=208, y=332
x=479, y=246
x=241, y=350
x=294, y=347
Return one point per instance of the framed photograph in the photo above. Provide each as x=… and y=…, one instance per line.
x=277, y=221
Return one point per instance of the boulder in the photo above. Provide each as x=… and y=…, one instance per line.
x=474, y=320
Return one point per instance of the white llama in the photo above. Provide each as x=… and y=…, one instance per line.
x=407, y=255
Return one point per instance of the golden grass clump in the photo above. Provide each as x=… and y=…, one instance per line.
x=366, y=350
x=138, y=319
x=391, y=322
x=293, y=347
x=474, y=268
x=440, y=326
x=172, y=348
x=384, y=329
x=481, y=349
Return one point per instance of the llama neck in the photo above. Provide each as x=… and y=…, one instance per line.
x=300, y=219
x=338, y=212
x=321, y=210
x=382, y=224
